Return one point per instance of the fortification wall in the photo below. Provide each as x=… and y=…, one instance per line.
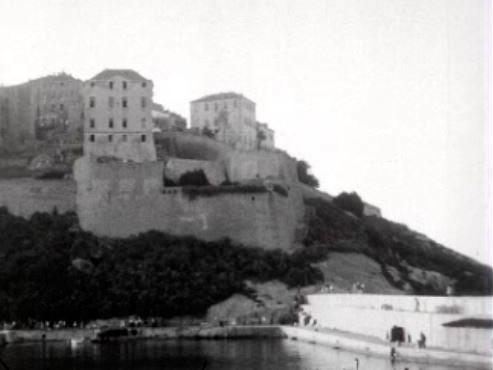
x=262, y=164
x=123, y=199
x=25, y=196
x=215, y=171
x=239, y=165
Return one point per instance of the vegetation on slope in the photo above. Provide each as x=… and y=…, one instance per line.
x=50, y=270
x=400, y=251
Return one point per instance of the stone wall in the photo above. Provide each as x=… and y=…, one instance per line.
x=25, y=196
x=123, y=199
x=374, y=315
x=175, y=167
x=239, y=165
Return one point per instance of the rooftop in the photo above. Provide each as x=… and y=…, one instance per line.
x=129, y=74
x=219, y=96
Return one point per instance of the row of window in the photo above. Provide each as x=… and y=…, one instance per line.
x=216, y=105
x=111, y=84
x=111, y=123
x=124, y=138
x=111, y=102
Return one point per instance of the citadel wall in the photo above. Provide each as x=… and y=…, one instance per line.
x=237, y=165
x=215, y=171
x=123, y=199
x=25, y=196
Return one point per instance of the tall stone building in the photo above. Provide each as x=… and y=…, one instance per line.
x=229, y=116
x=41, y=108
x=118, y=121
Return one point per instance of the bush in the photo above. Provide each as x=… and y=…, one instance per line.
x=193, y=178
x=350, y=202
x=304, y=175
x=280, y=190
x=51, y=175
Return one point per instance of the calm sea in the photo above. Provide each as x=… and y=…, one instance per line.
x=274, y=354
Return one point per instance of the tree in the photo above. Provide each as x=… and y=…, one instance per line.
x=304, y=175
x=350, y=202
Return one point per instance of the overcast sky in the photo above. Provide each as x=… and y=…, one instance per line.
x=388, y=98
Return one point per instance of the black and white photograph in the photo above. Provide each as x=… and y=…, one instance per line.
x=246, y=184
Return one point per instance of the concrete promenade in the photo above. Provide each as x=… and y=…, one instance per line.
x=376, y=347
x=336, y=339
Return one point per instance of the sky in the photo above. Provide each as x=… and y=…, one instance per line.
x=388, y=98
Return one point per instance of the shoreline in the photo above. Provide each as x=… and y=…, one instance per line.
x=338, y=340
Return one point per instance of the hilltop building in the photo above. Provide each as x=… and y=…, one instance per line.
x=118, y=120
x=229, y=116
x=41, y=108
x=165, y=120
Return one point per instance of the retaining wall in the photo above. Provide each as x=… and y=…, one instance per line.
x=123, y=199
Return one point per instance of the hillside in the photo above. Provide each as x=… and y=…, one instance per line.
x=50, y=269
x=409, y=261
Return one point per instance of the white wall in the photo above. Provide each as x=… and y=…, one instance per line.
x=362, y=313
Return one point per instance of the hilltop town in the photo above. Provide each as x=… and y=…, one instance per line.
x=131, y=158
x=112, y=206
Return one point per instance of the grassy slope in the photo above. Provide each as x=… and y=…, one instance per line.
x=408, y=260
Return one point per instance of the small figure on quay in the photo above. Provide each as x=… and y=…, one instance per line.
x=393, y=354
x=422, y=340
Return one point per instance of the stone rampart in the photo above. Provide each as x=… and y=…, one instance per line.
x=25, y=196
x=215, y=171
x=123, y=199
x=238, y=165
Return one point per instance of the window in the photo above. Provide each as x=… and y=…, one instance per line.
x=92, y=102
x=144, y=84
x=124, y=123
x=235, y=103
x=206, y=106
x=143, y=102
x=91, y=138
x=226, y=105
x=111, y=84
x=92, y=84
x=111, y=102
x=124, y=138
x=62, y=106
x=110, y=138
x=143, y=138
x=215, y=107
x=124, y=102
x=124, y=84
x=110, y=123
x=143, y=123
x=92, y=123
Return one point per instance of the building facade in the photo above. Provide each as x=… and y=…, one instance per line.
x=41, y=109
x=230, y=117
x=118, y=121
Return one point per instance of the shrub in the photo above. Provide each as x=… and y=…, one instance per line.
x=304, y=175
x=280, y=190
x=193, y=178
x=51, y=175
x=350, y=202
